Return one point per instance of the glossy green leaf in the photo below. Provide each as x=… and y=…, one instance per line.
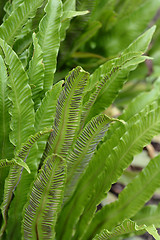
x=49, y=39
x=36, y=73
x=6, y=149
x=45, y=114
x=22, y=112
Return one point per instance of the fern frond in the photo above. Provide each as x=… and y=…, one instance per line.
x=83, y=150
x=22, y=112
x=135, y=106
x=12, y=26
x=15, y=174
x=148, y=215
x=68, y=113
x=45, y=200
x=112, y=75
x=36, y=73
x=106, y=167
x=49, y=39
x=126, y=227
x=4, y=113
x=6, y=149
x=45, y=114
x=131, y=199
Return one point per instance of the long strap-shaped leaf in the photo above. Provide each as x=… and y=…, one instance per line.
x=83, y=150
x=112, y=75
x=41, y=211
x=148, y=215
x=126, y=227
x=11, y=27
x=45, y=114
x=15, y=175
x=67, y=113
x=22, y=112
x=49, y=39
x=36, y=73
x=4, y=113
x=135, y=106
x=6, y=149
x=116, y=154
x=130, y=200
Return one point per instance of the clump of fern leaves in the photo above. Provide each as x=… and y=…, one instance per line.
x=60, y=153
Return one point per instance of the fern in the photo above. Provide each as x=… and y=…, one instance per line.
x=83, y=150
x=49, y=39
x=58, y=177
x=15, y=175
x=45, y=200
x=67, y=117
x=127, y=205
x=115, y=155
x=12, y=26
x=126, y=227
x=36, y=73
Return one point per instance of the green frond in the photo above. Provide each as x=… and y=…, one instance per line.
x=36, y=73
x=141, y=43
x=18, y=161
x=126, y=227
x=44, y=203
x=45, y=114
x=135, y=106
x=21, y=111
x=106, y=167
x=112, y=75
x=4, y=113
x=49, y=39
x=6, y=149
x=15, y=174
x=14, y=23
x=148, y=215
x=83, y=150
x=67, y=113
x=131, y=199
